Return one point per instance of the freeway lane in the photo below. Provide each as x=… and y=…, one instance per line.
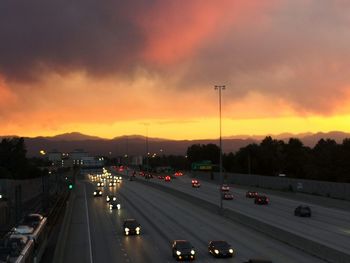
x=328, y=226
x=164, y=218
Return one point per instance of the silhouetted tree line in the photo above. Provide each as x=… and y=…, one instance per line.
x=13, y=161
x=327, y=161
x=178, y=162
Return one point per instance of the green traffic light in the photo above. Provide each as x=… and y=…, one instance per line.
x=70, y=186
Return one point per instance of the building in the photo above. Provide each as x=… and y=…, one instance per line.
x=55, y=157
x=77, y=155
x=91, y=162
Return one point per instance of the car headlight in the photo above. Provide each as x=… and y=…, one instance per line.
x=118, y=206
x=138, y=228
x=100, y=193
x=193, y=252
x=95, y=193
x=216, y=251
x=178, y=253
x=108, y=198
x=110, y=207
x=230, y=250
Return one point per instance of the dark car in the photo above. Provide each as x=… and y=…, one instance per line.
x=100, y=184
x=111, y=184
x=131, y=227
x=182, y=250
x=114, y=205
x=161, y=177
x=97, y=193
x=261, y=200
x=302, y=211
x=251, y=194
x=220, y=249
x=111, y=198
x=225, y=188
x=196, y=184
x=148, y=176
x=227, y=196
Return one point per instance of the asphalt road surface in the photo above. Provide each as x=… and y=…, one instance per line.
x=328, y=226
x=96, y=234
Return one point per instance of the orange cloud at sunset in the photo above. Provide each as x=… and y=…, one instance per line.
x=107, y=67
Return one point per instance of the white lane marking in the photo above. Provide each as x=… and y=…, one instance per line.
x=88, y=225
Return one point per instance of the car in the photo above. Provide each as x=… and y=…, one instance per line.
x=196, y=183
x=227, y=196
x=131, y=227
x=220, y=248
x=178, y=174
x=183, y=249
x=148, y=176
x=100, y=184
x=111, y=184
x=261, y=200
x=114, y=205
x=225, y=188
x=167, y=178
x=161, y=177
x=97, y=193
x=110, y=198
x=251, y=194
x=302, y=211
x=142, y=174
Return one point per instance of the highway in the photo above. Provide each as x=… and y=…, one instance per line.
x=163, y=218
x=328, y=226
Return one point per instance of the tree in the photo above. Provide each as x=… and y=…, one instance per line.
x=13, y=161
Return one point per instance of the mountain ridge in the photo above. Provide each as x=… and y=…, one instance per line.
x=136, y=144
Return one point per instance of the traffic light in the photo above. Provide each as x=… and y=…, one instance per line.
x=70, y=186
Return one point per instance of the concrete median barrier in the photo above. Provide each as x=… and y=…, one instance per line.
x=310, y=246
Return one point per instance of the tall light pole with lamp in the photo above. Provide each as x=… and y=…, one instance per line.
x=220, y=88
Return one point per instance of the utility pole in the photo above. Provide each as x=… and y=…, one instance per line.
x=220, y=88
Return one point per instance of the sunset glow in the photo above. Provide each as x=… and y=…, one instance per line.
x=285, y=65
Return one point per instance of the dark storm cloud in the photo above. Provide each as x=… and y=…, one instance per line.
x=59, y=35
x=298, y=51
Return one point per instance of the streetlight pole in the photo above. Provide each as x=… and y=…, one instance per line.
x=147, y=162
x=220, y=88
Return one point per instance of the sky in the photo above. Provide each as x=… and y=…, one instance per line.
x=114, y=67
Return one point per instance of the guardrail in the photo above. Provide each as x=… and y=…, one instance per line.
x=310, y=246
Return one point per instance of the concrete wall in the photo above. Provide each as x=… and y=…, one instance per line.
x=328, y=189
